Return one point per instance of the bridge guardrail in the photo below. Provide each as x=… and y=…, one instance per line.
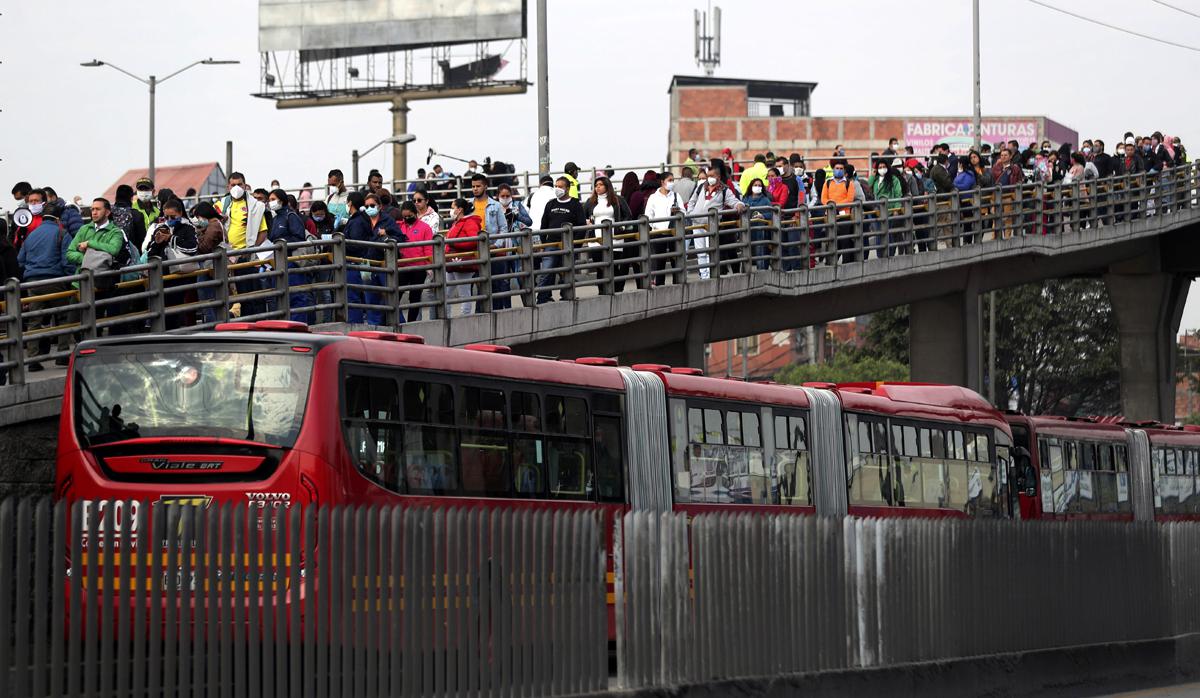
x=339, y=280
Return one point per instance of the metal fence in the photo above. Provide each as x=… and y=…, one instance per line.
x=386, y=284
x=122, y=599
x=770, y=595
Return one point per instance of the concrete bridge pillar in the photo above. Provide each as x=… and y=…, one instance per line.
x=1149, y=307
x=944, y=343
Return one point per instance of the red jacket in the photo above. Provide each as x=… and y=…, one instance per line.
x=465, y=227
x=779, y=193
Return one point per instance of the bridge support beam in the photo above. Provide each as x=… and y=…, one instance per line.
x=944, y=343
x=1149, y=308
x=685, y=352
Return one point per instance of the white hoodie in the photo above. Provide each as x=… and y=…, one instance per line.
x=659, y=205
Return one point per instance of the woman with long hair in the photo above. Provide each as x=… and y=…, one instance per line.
x=602, y=207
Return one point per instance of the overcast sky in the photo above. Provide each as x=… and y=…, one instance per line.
x=610, y=65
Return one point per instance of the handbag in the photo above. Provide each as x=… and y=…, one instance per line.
x=96, y=260
x=172, y=254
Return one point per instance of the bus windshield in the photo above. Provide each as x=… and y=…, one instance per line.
x=161, y=392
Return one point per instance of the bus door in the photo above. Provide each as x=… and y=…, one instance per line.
x=1023, y=474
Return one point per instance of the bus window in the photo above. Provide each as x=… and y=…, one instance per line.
x=713, y=433
x=781, y=432
x=526, y=412
x=371, y=407
x=733, y=427
x=429, y=403
x=799, y=437
x=529, y=466
x=483, y=454
x=568, y=463
x=610, y=485
x=566, y=415
x=430, y=466
x=750, y=430
x=695, y=426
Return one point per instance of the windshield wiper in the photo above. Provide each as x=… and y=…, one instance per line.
x=250, y=402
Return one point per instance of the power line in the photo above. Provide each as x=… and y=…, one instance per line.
x=1113, y=27
x=1177, y=9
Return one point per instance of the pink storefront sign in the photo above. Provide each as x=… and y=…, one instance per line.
x=959, y=133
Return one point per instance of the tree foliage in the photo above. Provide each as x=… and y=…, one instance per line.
x=846, y=367
x=1056, y=350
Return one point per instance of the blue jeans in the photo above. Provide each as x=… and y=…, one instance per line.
x=358, y=316
x=499, y=286
x=300, y=299
x=548, y=278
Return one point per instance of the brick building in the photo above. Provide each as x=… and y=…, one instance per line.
x=759, y=357
x=754, y=116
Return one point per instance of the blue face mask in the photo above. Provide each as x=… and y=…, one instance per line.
x=839, y=174
x=172, y=222
x=371, y=211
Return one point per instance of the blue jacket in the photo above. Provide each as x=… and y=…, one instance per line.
x=44, y=253
x=494, y=222
x=520, y=215
x=71, y=219
x=287, y=226
x=359, y=228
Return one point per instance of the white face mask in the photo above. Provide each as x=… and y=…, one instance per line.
x=144, y=194
x=333, y=189
x=236, y=191
x=669, y=185
x=36, y=209
x=757, y=189
x=559, y=192
x=199, y=222
x=274, y=205
x=712, y=181
x=505, y=200
x=881, y=170
x=1120, y=151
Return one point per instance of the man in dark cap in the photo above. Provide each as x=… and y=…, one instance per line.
x=145, y=203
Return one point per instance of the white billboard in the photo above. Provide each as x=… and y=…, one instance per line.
x=362, y=26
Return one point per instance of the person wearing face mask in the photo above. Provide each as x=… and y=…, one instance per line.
x=336, y=199
x=43, y=257
x=35, y=202
x=245, y=226
x=759, y=202
x=840, y=191
x=559, y=213
x=462, y=254
x=664, y=203
x=288, y=226
x=887, y=186
x=756, y=171
x=368, y=223
x=602, y=207
x=716, y=193
x=146, y=204
x=210, y=237
x=496, y=226
x=173, y=240
x=415, y=259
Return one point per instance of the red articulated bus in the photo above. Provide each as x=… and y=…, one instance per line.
x=270, y=414
x=1083, y=468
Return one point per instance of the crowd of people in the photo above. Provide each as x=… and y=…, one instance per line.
x=48, y=240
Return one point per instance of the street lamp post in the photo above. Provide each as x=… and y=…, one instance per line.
x=355, y=156
x=152, y=82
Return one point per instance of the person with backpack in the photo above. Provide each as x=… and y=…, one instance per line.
x=288, y=226
x=43, y=257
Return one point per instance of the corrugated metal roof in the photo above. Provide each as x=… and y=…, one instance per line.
x=177, y=178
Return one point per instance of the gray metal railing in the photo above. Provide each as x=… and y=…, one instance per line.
x=731, y=596
x=108, y=599
x=385, y=284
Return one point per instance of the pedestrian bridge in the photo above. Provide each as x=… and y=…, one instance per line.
x=659, y=290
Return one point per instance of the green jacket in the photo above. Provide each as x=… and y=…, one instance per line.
x=106, y=239
x=882, y=191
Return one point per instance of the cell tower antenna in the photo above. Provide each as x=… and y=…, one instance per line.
x=708, y=39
